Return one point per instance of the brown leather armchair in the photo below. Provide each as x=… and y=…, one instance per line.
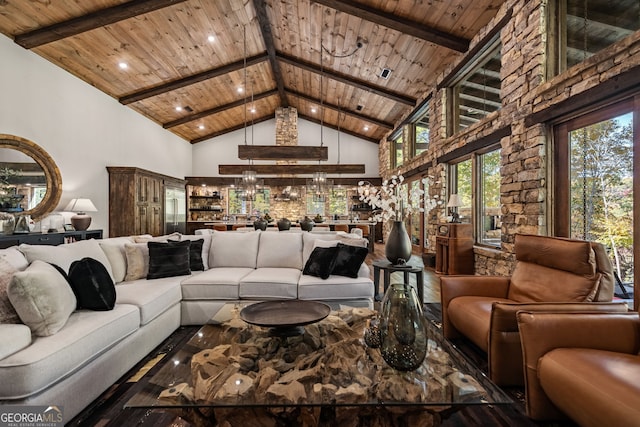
x=584, y=366
x=550, y=274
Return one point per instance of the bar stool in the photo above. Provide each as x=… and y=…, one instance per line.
x=234, y=227
x=341, y=227
x=220, y=227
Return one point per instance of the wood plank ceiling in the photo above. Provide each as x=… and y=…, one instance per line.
x=186, y=59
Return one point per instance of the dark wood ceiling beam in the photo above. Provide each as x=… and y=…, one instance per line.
x=231, y=129
x=282, y=152
x=186, y=81
x=397, y=23
x=216, y=110
x=267, y=37
x=359, y=116
x=346, y=79
x=343, y=130
x=90, y=21
x=291, y=169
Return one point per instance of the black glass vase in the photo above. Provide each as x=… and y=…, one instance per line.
x=402, y=328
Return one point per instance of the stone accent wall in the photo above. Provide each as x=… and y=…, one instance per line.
x=286, y=130
x=525, y=186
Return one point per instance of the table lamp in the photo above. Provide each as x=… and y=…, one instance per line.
x=454, y=203
x=81, y=220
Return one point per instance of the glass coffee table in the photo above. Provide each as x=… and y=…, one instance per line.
x=234, y=373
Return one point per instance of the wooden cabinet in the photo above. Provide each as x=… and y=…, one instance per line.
x=454, y=249
x=136, y=200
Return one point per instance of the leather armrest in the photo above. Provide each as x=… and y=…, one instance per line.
x=543, y=332
x=503, y=315
x=456, y=286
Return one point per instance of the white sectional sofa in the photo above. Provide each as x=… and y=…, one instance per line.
x=92, y=349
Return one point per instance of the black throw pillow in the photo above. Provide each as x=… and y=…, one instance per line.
x=168, y=259
x=348, y=260
x=92, y=285
x=321, y=262
x=195, y=255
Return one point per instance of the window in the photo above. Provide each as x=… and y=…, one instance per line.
x=238, y=206
x=314, y=207
x=476, y=180
x=338, y=201
x=421, y=131
x=489, y=204
x=476, y=91
x=594, y=183
x=583, y=31
x=397, y=150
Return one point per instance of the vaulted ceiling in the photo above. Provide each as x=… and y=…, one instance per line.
x=186, y=59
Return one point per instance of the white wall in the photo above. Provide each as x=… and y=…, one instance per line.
x=207, y=155
x=81, y=128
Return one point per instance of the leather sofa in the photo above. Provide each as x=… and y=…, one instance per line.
x=582, y=365
x=550, y=274
x=93, y=349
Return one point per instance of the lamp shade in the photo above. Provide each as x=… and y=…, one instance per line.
x=81, y=220
x=454, y=201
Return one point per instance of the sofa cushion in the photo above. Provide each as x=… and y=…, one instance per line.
x=215, y=283
x=152, y=297
x=270, y=283
x=64, y=255
x=321, y=262
x=146, y=238
x=14, y=257
x=42, y=298
x=206, y=246
x=168, y=259
x=234, y=249
x=137, y=261
x=471, y=315
x=92, y=285
x=7, y=312
x=14, y=338
x=48, y=360
x=348, y=260
x=113, y=248
x=593, y=387
x=280, y=250
x=537, y=283
x=574, y=256
x=334, y=288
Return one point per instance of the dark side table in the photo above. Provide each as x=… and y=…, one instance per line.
x=388, y=268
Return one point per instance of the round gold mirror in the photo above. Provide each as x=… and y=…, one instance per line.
x=30, y=182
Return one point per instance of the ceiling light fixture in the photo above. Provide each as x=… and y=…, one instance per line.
x=366, y=128
x=178, y=108
x=123, y=65
x=211, y=39
x=201, y=127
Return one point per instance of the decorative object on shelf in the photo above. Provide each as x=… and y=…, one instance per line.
x=372, y=335
x=81, y=221
x=318, y=219
x=267, y=217
x=454, y=203
x=7, y=223
x=307, y=224
x=284, y=224
x=397, y=249
x=22, y=224
x=402, y=329
x=55, y=222
x=260, y=224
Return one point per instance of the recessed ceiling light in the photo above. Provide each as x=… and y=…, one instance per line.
x=201, y=127
x=123, y=65
x=240, y=90
x=253, y=109
x=178, y=108
x=211, y=39
x=366, y=127
x=313, y=110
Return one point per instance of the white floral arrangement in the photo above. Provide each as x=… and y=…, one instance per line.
x=388, y=204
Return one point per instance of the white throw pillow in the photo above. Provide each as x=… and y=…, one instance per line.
x=113, y=248
x=64, y=255
x=14, y=257
x=42, y=298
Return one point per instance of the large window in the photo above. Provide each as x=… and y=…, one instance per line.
x=583, y=28
x=595, y=184
x=476, y=90
x=397, y=150
x=238, y=206
x=476, y=182
x=421, y=131
x=338, y=201
x=315, y=206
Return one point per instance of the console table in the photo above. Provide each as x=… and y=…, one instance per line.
x=7, y=240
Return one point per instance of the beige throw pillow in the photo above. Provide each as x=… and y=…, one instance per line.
x=137, y=261
x=42, y=298
x=7, y=312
